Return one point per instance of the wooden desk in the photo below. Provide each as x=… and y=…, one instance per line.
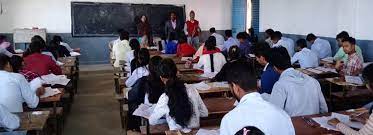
x=181, y=68
x=339, y=82
x=68, y=61
x=214, y=90
x=54, y=100
x=192, y=78
x=32, y=121
x=219, y=106
x=318, y=75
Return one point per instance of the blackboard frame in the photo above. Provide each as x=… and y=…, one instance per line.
x=74, y=34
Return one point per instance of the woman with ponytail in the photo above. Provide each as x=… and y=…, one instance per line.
x=182, y=106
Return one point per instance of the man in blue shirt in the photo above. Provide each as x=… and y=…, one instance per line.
x=245, y=45
x=269, y=77
x=229, y=42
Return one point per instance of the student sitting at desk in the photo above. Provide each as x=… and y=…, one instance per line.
x=233, y=55
x=135, y=48
x=9, y=121
x=111, y=43
x=245, y=45
x=305, y=57
x=320, y=46
x=229, y=42
x=121, y=48
x=278, y=41
x=146, y=90
x=42, y=45
x=368, y=127
x=39, y=63
x=252, y=109
x=268, y=33
x=6, y=45
x=211, y=62
x=14, y=88
x=142, y=67
x=354, y=64
x=181, y=106
x=295, y=92
x=58, y=50
x=184, y=49
x=59, y=41
x=269, y=76
x=341, y=55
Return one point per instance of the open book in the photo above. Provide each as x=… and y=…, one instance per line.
x=323, y=121
x=55, y=79
x=144, y=110
x=50, y=92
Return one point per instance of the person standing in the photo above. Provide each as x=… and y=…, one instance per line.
x=144, y=31
x=173, y=26
x=192, y=29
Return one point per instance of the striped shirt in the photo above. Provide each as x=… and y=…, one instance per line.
x=366, y=130
x=354, y=65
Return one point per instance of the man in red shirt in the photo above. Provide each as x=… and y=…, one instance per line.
x=39, y=63
x=192, y=29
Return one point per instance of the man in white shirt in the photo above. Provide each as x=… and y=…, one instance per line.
x=320, y=46
x=219, y=38
x=268, y=33
x=278, y=41
x=121, y=48
x=305, y=57
x=14, y=88
x=295, y=92
x=252, y=110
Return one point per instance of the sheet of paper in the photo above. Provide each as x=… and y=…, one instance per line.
x=18, y=51
x=208, y=132
x=36, y=83
x=220, y=84
x=201, y=86
x=50, y=92
x=354, y=80
x=314, y=71
x=186, y=58
x=55, y=79
x=323, y=121
x=209, y=75
x=326, y=69
x=252, y=55
x=328, y=59
x=75, y=54
x=144, y=110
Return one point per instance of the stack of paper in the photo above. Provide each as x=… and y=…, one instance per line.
x=354, y=80
x=220, y=84
x=144, y=111
x=50, y=92
x=55, y=79
x=326, y=69
x=186, y=58
x=323, y=121
x=201, y=86
x=208, y=132
x=328, y=59
x=74, y=54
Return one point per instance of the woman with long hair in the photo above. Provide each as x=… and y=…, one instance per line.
x=182, y=106
x=142, y=67
x=212, y=62
x=156, y=86
x=144, y=31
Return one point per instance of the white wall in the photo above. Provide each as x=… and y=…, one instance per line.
x=321, y=17
x=55, y=15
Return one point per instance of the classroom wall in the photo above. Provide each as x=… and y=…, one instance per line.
x=55, y=15
x=325, y=18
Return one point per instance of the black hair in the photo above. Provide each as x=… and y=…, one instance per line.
x=212, y=30
x=270, y=32
x=234, y=53
x=4, y=60
x=57, y=39
x=39, y=40
x=180, y=107
x=182, y=39
x=310, y=37
x=342, y=35
x=368, y=74
x=250, y=130
x=262, y=49
x=241, y=35
x=16, y=62
x=35, y=47
x=134, y=44
x=228, y=33
x=2, y=38
x=280, y=58
x=143, y=57
x=302, y=43
x=173, y=12
x=350, y=40
x=155, y=82
x=124, y=35
x=210, y=43
x=276, y=35
x=241, y=74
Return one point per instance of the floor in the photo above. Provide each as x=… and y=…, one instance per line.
x=94, y=111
